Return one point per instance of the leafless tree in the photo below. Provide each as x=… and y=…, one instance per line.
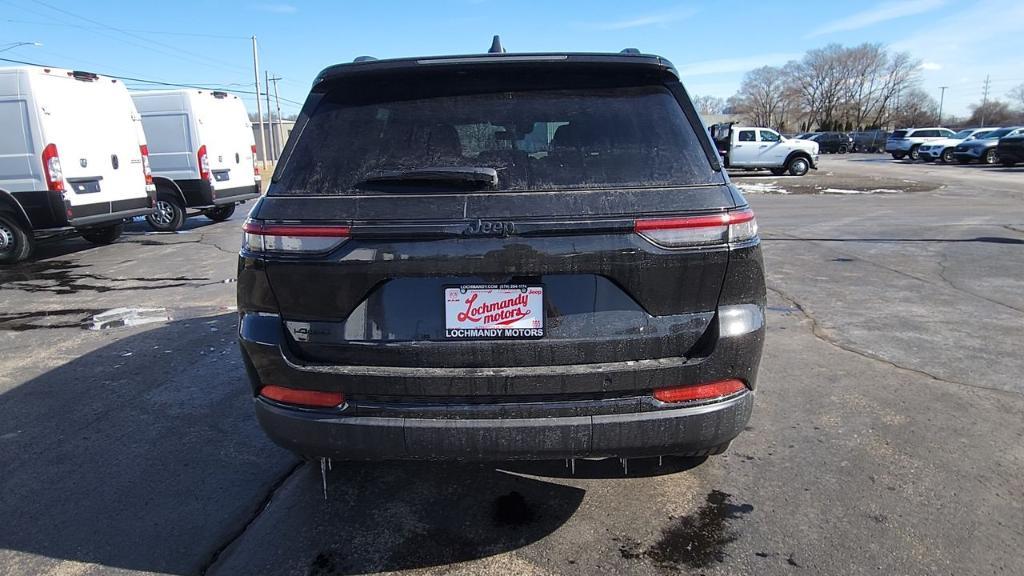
x=707, y=105
x=761, y=96
x=916, y=108
x=993, y=113
x=1017, y=96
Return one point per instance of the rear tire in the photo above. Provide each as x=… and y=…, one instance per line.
x=798, y=166
x=778, y=171
x=991, y=157
x=914, y=154
x=168, y=214
x=947, y=156
x=843, y=150
x=16, y=242
x=104, y=235
x=220, y=213
x=898, y=155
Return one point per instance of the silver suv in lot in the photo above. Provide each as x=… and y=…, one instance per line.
x=906, y=143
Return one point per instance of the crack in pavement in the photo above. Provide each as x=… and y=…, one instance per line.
x=211, y=244
x=941, y=273
x=818, y=332
x=238, y=534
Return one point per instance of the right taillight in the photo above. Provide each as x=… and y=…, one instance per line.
x=689, y=231
x=51, y=168
x=204, y=163
x=304, y=398
x=265, y=237
x=699, y=392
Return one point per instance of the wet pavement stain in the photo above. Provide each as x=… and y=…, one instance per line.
x=63, y=277
x=512, y=509
x=696, y=540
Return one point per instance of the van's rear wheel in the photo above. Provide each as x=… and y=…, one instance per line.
x=104, y=235
x=168, y=214
x=220, y=213
x=798, y=166
x=16, y=242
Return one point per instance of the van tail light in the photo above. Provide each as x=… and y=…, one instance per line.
x=695, y=392
x=689, y=231
x=204, y=163
x=262, y=237
x=51, y=168
x=309, y=398
x=255, y=166
x=145, y=164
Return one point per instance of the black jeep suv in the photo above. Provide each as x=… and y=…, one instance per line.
x=501, y=256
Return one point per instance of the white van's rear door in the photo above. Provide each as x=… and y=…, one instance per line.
x=93, y=123
x=227, y=134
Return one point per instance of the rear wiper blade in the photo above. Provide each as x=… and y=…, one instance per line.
x=463, y=176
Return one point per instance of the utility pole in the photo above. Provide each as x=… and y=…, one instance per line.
x=259, y=107
x=984, y=98
x=270, y=117
x=942, y=100
x=278, y=100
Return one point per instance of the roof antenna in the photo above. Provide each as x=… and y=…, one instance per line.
x=496, y=47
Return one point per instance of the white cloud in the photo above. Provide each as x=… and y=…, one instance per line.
x=734, y=65
x=880, y=13
x=276, y=8
x=927, y=65
x=658, y=19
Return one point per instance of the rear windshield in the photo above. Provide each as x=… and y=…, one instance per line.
x=899, y=134
x=534, y=140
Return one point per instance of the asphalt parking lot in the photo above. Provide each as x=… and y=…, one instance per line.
x=887, y=435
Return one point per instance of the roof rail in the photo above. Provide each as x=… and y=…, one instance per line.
x=364, y=59
x=630, y=51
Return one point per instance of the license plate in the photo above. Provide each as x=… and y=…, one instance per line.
x=493, y=311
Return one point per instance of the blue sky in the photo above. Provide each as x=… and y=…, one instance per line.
x=712, y=43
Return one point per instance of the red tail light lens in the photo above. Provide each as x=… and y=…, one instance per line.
x=145, y=164
x=291, y=239
x=699, y=230
x=204, y=163
x=51, y=168
x=255, y=166
x=310, y=398
x=693, y=392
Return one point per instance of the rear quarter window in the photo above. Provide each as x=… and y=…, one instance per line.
x=534, y=139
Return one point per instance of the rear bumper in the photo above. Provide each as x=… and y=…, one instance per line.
x=538, y=412
x=201, y=193
x=111, y=212
x=673, y=431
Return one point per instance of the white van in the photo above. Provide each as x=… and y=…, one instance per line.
x=202, y=151
x=72, y=157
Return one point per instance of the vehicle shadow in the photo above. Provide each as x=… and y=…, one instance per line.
x=144, y=454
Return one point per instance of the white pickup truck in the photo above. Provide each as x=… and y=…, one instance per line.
x=754, y=147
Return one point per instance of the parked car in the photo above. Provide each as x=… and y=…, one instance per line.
x=415, y=284
x=202, y=151
x=906, y=143
x=869, y=141
x=984, y=149
x=833, y=142
x=72, y=158
x=806, y=135
x=1011, y=149
x=752, y=147
x=943, y=149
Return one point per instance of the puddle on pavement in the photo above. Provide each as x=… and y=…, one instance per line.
x=104, y=319
x=46, y=319
x=695, y=540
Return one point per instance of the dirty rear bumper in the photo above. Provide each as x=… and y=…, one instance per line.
x=635, y=434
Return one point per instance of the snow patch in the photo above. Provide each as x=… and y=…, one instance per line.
x=761, y=188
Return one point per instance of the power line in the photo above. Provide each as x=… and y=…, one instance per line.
x=160, y=32
x=155, y=82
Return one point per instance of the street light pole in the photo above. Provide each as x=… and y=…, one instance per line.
x=14, y=45
x=942, y=100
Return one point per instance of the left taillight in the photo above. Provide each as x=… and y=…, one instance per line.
x=688, y=231
x=255, y=166
x=264, y=237
x=51, y=168
x=145, y=164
